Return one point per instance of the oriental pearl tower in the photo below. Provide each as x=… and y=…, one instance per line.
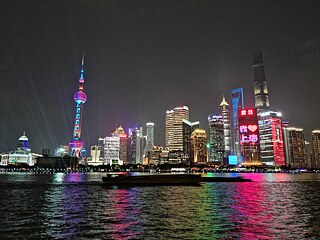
x=76, y=144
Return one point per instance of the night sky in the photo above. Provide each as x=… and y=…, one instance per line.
x=145, y=57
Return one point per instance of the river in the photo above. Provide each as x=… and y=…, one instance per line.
x=78, y=206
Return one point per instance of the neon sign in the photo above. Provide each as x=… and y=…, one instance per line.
x=249, y=133
x=248, y=126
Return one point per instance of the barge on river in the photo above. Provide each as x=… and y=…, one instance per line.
x=151, y=179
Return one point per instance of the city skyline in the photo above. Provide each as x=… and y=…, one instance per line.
x=136, y=73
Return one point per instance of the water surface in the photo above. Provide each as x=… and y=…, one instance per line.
x=78, y=206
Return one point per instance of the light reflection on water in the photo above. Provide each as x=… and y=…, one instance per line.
x=71, y=206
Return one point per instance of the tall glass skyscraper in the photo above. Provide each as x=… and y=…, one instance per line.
x=261, y=95
x=174, y=128
x=149, y=138
x=187, y=129
x=270, y=122
x=216, y=139
x=296, y=155
x=225, y=113
x=315, y=138
x=237, y=103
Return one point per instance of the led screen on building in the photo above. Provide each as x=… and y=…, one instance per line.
x=248, y=126
x=249, y=137
x=233, y=160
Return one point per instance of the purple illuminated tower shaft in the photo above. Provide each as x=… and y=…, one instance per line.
x=76, y=144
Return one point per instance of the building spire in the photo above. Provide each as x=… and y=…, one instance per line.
x=82, y=69
x=224, y=102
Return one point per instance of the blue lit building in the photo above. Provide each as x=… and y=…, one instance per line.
x=237, y=103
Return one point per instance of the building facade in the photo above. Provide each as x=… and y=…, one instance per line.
x=123, y=144
x=225, y=113
x=271, y=138
x=136, y=145
x=95, y=158
x=187, y=129
x=237, y=103
x=261, y=95
x=199, y=146
x=111, y=151
x=296, y=155
x=174, y=128
x=315, y=141
x=216, y=141
x=149, y=138
x=249, y=137
x=21, y=156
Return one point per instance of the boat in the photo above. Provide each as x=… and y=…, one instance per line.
x=225, y=179
x=151, y=179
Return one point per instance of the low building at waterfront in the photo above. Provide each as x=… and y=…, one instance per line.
x=21, y=156
x=59, y=163
x=95, y=158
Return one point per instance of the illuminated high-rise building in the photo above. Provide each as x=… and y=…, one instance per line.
x=187, y=128
x=216, y=139
x=296, y=155
x=249, y=137
x=199, y=146
x=225, y=113
x=315, y=141
x=149, y=138
x=237, y=103
x=261, y=95
x=174, y=128
x=123, y=144
x=271, y=138
x=111, y=151
x=76, y=144
x=136, y=144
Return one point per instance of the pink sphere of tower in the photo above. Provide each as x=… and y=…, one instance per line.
x=80, y=97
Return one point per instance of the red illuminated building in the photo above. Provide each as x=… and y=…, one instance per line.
x=249, y=137
x=271, y=139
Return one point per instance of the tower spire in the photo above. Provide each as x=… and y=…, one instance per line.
x=81, y=80
x=224, y=102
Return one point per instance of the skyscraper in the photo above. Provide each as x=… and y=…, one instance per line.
x=174, y=128
x=225, y=113
x=123, y=143
x=271, y=138
x=199, y=146
x=261, y=95
x=295, y=147
x=315, y=138
x=237, y=103
x=136, y=144
x=76, y=144
x=249, y=137
x=216, y=139
x=112, y=150
x=149, y=137
x=187, y=128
